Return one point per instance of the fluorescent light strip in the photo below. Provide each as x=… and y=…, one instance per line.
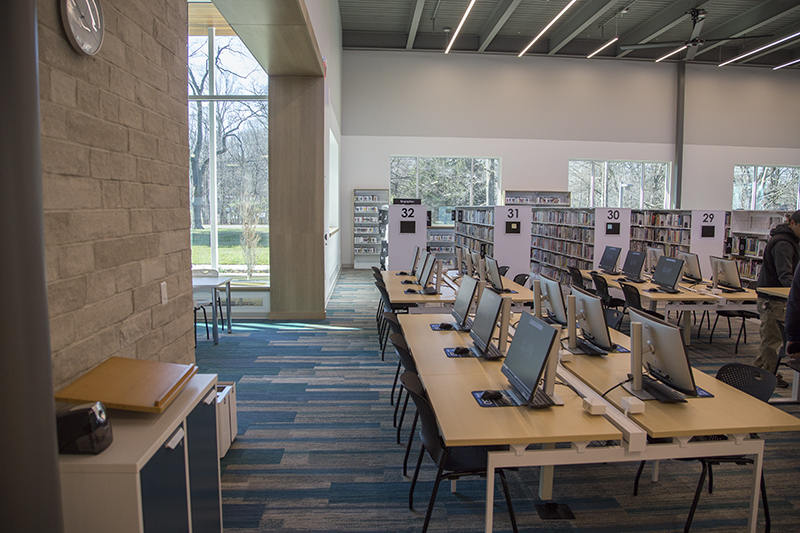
x=681, y=49
x=779, y=41
x=787, y=64
x=547, y=27
x=609, y=43
x=463, y=19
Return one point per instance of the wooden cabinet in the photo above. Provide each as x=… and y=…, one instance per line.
x=160, y=473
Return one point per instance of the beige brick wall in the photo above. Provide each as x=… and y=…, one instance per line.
x=115, y=165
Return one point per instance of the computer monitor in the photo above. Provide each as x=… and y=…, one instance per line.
x=424, y=257
x=466, y=293
x=467, y=258
x=608, y=263
x=525, y=361
x=493, y=271
x=459, y=266
x=691, y=266
x=634, y=263
x=427, y=272
x=668, y=272
x=414, y=260
x=725, y=273
x=477, y=265
x=553, y=299
x=663, y=352
x=653, y=255
x=591, y=318
x=485, y=320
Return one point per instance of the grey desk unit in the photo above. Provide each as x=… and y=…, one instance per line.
x=215, y=283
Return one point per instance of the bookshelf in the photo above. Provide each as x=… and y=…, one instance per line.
x=560, y=238
x=749, y=233
x=368, y=234
x=666, y=229
x=498, y=231
x=441, y=243
x=538, y=198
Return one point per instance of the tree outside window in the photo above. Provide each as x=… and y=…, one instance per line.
x=633, y=184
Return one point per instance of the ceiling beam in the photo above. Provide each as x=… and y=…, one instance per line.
x=413, y=27
x=667, y=18
x=749, y=22
x=785, y=32
x=499, y=16
x=582, y=19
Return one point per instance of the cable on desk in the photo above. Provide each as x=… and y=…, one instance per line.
x=614, y=387
x=569, y=385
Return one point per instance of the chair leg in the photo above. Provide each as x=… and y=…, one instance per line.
x=710, y=478
x=414, y=479
x=768, y=522
x=402, y=416
x=394, y=385
x=711, y=336
x=730, y=331
x=205, y=319
x=508, y=500
x=442, y=461
x=636, y=480
x=408, y=446
x=397, y=406
x=696, y=497
x=739, y=336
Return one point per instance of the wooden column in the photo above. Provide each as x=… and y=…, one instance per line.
x=296, y=197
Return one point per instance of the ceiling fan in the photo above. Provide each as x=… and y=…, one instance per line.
x=694, y=42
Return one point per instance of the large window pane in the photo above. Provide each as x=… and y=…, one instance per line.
x=580, y=182
x=769, y=188
x=743, y=177
x=632, y=184
x=654, y=186
x=238, y=72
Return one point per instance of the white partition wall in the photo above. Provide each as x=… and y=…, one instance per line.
x=708, y=237
x=612, y=228
x=408, y=227
x=512, y=238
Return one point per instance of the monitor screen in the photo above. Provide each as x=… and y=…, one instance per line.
x=494, y=273
x=466, y=293
x=668, y=271
x=408, y=226
x=653, y=255
x=414, y=260
x=485, y=319
x=726, y=272
x=663, y=353
x=691, y=269
x=424, y=257
x=427, y=272
x=634, y=263
x=525, y=361
x=591, y=318
x=553, y=299
x=609, y=259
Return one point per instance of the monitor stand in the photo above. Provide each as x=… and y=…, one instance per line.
x=550, y=369
x=634, y=386
x=505, y=320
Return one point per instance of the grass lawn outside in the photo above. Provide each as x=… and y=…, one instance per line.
x=230, y=248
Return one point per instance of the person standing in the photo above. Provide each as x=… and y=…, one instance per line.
x=781, y=257
x=793, y=318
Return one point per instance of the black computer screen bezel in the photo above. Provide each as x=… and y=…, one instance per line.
x=468, y=287
x=597, y=313
x=493, y=273
x=488, y=308
x=531, y=346
x=660, y=276
x=603, y=264
x=627, y=268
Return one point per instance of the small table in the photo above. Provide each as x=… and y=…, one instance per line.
x=215, y=283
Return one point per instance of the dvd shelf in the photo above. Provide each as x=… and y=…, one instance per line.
x=538, y=198
x=561, y=238
x=749, y=233
x=368, y=230
x=441, y=243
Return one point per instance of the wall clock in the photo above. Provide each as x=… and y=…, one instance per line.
x=83, y=22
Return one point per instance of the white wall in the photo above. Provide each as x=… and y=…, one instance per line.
x=538, y=113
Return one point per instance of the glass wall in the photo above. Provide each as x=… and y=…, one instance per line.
x=229, y=170
x=634, y=184
x=767, y=188
x=445, y=182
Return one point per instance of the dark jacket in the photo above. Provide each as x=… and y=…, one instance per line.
x=793, y=311
x=780, y=258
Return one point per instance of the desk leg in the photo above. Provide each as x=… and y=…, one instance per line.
x=757, y=469
x=489, y=493
x=228, y=304
x=795, y=397
x=687, y=327
x=215, y=327
x=546, y=477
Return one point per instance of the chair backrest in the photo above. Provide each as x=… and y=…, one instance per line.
x=387, y=303
x=503, y=270
x=429, y=431
x=577, y=278
x=521, y=279
x=394, y=324
x=755, y=381
x=632, y=297
x=601, y=285
x=400, y=346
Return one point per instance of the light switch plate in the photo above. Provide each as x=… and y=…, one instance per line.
x=163, y=293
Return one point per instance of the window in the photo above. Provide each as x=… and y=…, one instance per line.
x=228, y=178
x=445, y=182
x=634, y=184
x=765, y=188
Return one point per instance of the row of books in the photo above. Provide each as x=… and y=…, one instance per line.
x=672, y=236
x=366, y=250
x=367, y=198
x=752, y=246
x=366, y=209
x=564, y=232
x=542, y=269
x=371, y=230
x=442, y=249
x=748, y=269
x=440, y=237
x=670, y=250
x=478, y=216
x=474, y=244
x=558, y=216
x=671, y=220
x=575, y=249
x=365, y=220
x=481, y=232
x=366, y=240
x=558, y=260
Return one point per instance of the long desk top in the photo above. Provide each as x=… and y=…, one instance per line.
x=780, y=292
x=449, y=289
x=449, y=383
x=699, y=293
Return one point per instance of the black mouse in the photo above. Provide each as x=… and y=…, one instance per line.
x=461, y=350
x=491, y=395
x=408, y=282
x=652, y=289
x=445, y=325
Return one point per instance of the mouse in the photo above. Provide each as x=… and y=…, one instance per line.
x=593, y=272
x=491, y=395
x=652, y=289
x=461, y=350
x=407, y=282
x=445, y=325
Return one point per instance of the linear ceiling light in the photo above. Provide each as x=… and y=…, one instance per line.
x=463, y=19
x=770, y=45
x=609, y=43
x=787, y=64
x=681, y=49
x=547, y=27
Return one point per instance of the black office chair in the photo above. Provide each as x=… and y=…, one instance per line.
x=577, y=279
x=633, y=300
x=407, y=360
x=601, y=288
x=453, y=461
x=744, y=315
x=503, y=270
x=521, y=279
x=393, y=327
x=756, y=382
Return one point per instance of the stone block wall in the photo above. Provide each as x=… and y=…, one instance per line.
x=115, y=163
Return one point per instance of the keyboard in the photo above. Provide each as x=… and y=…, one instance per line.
x=661, y=392
x=589, y=348
x=540, y=400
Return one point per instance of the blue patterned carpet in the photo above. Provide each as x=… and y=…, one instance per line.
x=316, y=449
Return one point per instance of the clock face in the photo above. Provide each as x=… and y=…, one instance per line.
x=83, y=21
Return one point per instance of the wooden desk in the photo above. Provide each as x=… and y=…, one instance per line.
x=780, y=292
x=396, y=290
x=215, y=283
x=520, y=295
